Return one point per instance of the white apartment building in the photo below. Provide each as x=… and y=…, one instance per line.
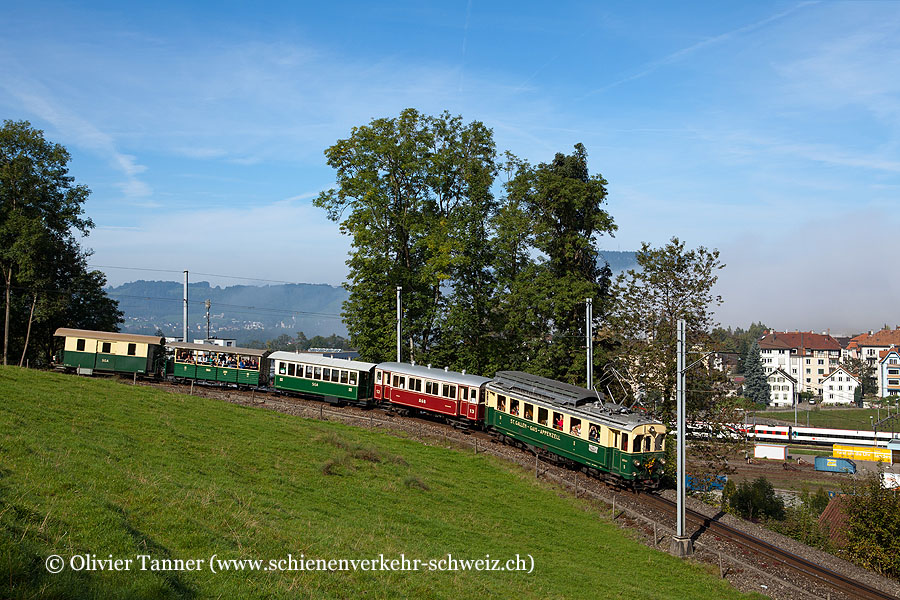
x=782, y=388
x=839, y=387
x=889, y=373
x=806, y=356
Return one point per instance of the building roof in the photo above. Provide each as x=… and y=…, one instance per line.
x=844, y=371
x=884, y=337
x=834, y=517
x=782, y=372
x=802, y=341
x=883, y=354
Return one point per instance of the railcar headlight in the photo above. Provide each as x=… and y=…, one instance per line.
x=637, y=463
x=662, y=461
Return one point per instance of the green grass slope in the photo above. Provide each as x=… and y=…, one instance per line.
x=99, y=467
x=835, y=418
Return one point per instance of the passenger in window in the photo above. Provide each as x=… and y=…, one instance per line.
x=528, y=413
x=501, y=404
x=514, y=408
x=576, y=429
x=558, y=422
x=594, y=434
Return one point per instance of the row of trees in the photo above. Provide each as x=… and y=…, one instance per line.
x=46, y=281
x=496, y=257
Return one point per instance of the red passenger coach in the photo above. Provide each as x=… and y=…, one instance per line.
x=443, y=392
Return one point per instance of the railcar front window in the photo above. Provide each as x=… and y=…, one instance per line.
x=647, y=443
x=638, y=440
x=659, y=442
x=624, y=442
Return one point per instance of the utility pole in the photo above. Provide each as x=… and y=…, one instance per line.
x=399, y=289
x=590, y=342
x=208, y=304
x=185, y=338
x=682, y=545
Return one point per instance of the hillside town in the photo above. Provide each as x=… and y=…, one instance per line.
x=829, y=369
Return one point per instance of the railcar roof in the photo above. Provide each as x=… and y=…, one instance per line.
x=216, y=348
x=570, y=397
x=109, y=335
x=316, y=359
x=433, y=373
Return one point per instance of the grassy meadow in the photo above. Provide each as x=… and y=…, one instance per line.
x=835, y=418
x=91, y=466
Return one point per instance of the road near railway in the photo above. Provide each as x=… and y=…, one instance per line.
x=745, y=559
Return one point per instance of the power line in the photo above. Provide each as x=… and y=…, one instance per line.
x=195, y=273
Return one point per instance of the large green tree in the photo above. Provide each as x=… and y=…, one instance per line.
x=564, y=217
x=413, y=192
x=670, y=283
x=756, y=385
x=44, y=271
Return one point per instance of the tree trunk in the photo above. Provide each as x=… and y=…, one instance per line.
x=6, y=323
x=28, y=330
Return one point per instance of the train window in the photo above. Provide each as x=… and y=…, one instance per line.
x=291, y=369
x=594, y=433
x=514, y=408
x=415, y=384
x=79, y=345
x=575, y=426
x=624, y=441
x=557, y=421
x=309, y=372
x=335, y=375
x=501, y=403
x=343, y=376
x=377, y=376
x=464, y=394
x=529, y=411
x=638, y=442
x=474, y=396
x=450, y=391
x=107, y=348
x=659, y=442
x=399, y=382
x=614, y=438
x=431, y=388
x=317, y=372
x=132, y=349
x=352, y=377
x=647, y=443
x=282, y=368
x=326, y=374
x=543, y=416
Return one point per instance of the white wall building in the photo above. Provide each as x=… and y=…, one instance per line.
x=839, y=386
x=782, y=388
x=889, y=373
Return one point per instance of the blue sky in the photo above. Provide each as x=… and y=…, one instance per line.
x=768, y=130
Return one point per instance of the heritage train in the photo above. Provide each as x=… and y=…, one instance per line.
x=571, y=424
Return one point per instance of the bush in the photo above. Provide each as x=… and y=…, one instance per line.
x=756, y=500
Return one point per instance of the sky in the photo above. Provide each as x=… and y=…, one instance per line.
x=767, y=130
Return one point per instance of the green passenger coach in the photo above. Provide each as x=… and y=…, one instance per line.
x=88, y=351
x=218, y=364
x=334, y=380
x=576, y=424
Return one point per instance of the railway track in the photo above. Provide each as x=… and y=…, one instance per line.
x=821, y=577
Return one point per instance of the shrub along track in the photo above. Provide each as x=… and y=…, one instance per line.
x=775, y=566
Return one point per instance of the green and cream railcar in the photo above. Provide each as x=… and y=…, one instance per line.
x=219, y=364
x=88, y=351
x=334, y=380
x=576, y=424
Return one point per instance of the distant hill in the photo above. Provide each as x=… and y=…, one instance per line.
x=619, y=260
x=249, y=312
x=242, y=312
